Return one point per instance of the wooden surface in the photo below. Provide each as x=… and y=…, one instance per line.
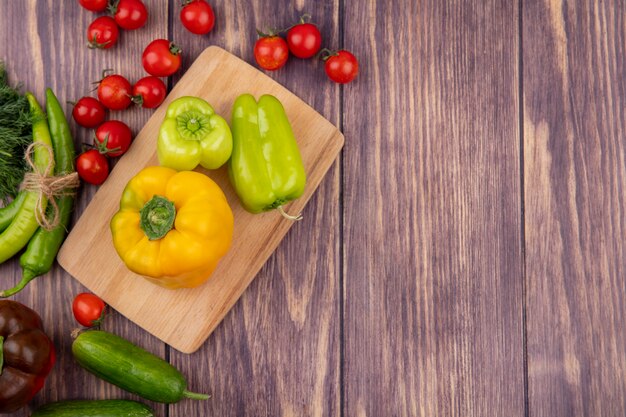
x=88, y=253
x=463, y=257
x=440, y=240
x=574, y=178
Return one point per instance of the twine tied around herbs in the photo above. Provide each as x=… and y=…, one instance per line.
x=49, y=187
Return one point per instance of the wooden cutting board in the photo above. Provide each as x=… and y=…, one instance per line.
x=184, y=318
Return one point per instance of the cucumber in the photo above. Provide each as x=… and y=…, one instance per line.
x=95, y=408
x=131, y=368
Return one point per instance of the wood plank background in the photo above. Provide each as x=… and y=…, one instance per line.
x=575, y=173
x=463, y=257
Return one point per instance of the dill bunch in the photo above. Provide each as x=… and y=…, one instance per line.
x=16, y=122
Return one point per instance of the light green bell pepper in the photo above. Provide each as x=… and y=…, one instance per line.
x=193, y=134
x=266, y=167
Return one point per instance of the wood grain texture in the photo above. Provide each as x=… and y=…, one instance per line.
x=432, y=244
x=413, y=239
x=44, y=46
x=575, y=174
x=276, y=353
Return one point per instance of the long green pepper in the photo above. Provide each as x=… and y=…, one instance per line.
x=8, y=212
x=265, y=167
x=24, y=224
x=44, y=245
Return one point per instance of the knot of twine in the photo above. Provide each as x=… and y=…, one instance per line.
x=49, y=187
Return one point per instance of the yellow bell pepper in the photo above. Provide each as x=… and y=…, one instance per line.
x=172, y=227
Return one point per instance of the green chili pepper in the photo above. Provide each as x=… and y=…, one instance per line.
x=8, y=212
x=192, y=134
x=24, y=224
x=266, y=167
x=44, y=245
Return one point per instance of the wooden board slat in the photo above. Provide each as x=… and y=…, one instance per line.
x=433, y=260
x=88, y=253
x=44, y=45
x=575, y=205
x=277, y=351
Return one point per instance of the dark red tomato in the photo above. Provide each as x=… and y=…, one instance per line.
x=94, y=5
x=113, y=137
x=88, y=112
x=114, y=92
x=197, y=16
x=149, y=92
x=342, y=67
x=92, y=167
x=88, y=309
x=304, y=40
x=102, y=33
x=161, y=58
x=130, y=14
x=271, y=52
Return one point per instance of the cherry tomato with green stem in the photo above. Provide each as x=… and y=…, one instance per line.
x=88, y=309
x=88, y=112
x=271, y=51
x=113, y=138
x=114, y=92
x=304, y=39
x=161, y=58
x=102, y=33
x=94, y=5
x=341, y=66
x=197, y=16
x=149, y=92
x=129, y=14
x=92, y=167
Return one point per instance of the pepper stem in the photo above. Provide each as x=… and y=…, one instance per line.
x=289, y=216
x=157, y=217
x=27, y=276
x=195, y=395
x=1, y=354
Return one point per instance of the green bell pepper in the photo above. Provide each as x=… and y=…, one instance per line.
x=193, y=134
x=265, y=167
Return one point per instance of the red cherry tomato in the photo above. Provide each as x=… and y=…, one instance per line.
x=304, y=40
x=197, y=16
x=149, y=92
x=341, y=67
x=113, y=138
x=130, y=14
x=102, y=33
x=271, y=52
x=92, y=167
x=161, y=58
x=94, y=5
x=114, y=92
x=88, y=309
x=88, y=112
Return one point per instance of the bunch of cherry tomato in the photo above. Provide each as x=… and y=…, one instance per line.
x=161, y=58
x=104, y=31
x=196, y=16
x=303, y=40
x=112, y=137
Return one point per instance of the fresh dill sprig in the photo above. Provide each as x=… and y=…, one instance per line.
x=16, y=122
